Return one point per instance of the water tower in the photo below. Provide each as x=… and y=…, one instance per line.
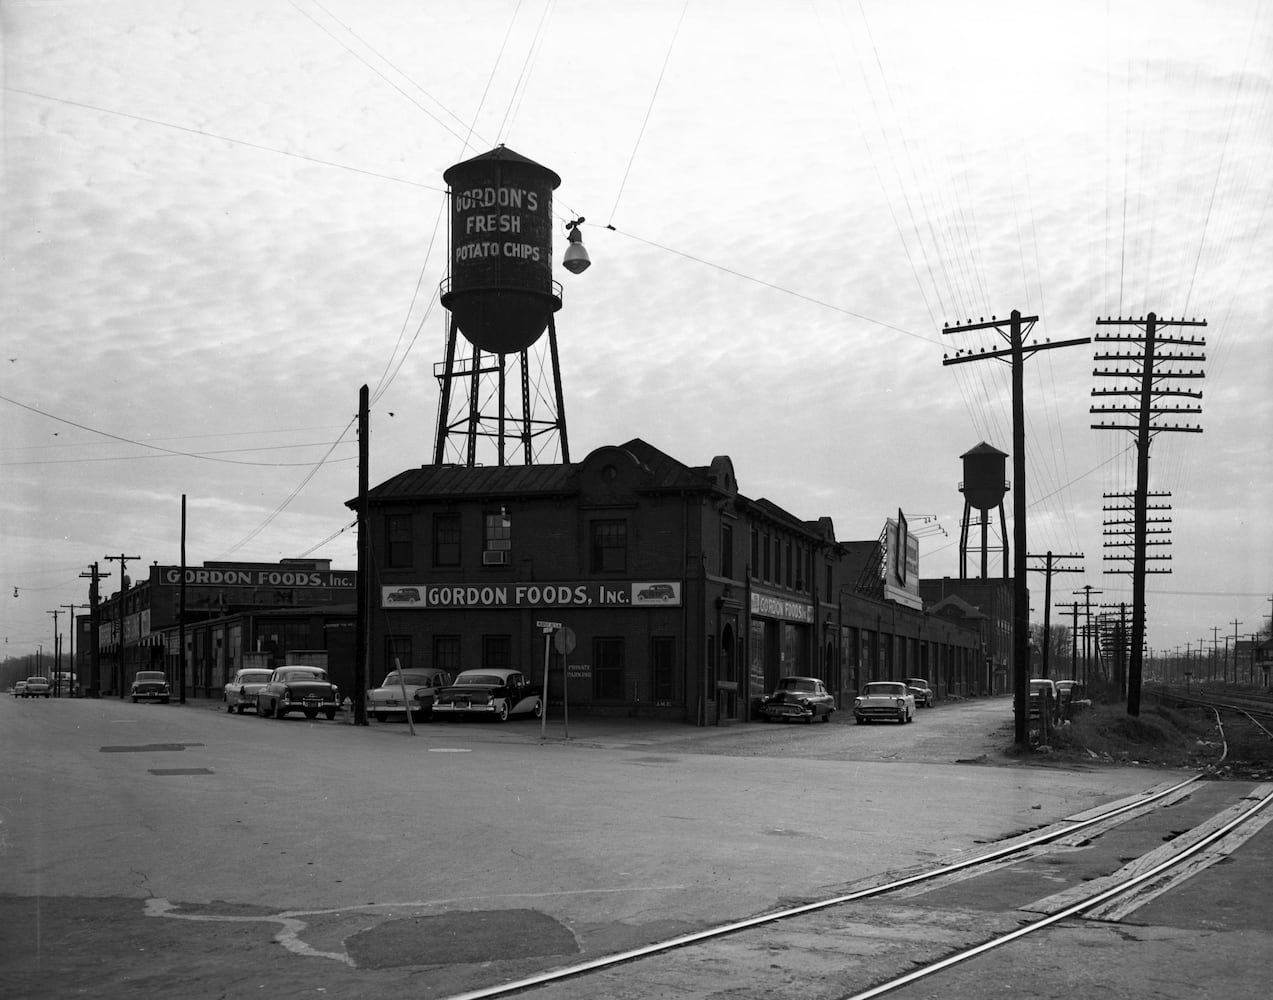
x=501, y=297
x=983, y=488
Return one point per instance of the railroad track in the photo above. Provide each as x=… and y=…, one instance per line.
x=1222, y=815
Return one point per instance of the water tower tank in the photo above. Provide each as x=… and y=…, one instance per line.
x=500, y=291
x=985, y=480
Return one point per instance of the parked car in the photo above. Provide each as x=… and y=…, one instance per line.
x=20, y=689
x=922, y=692
x=66, y=684
x=420, y=686
x=1073, y=697
x=1043, y=698
x=240, y=694
x=298, y=689
x=884, y=700
x=37, y=687
x=151, y=685
x=494, y=692
x=798, y=698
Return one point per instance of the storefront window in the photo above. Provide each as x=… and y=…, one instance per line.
x=446, y=653
x=397, y=653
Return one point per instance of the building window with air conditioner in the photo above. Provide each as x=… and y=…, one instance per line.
x=497, y=539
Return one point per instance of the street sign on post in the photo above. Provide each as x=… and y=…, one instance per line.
x=548, y=626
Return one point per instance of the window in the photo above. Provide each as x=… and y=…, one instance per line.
x=755, y=553
x=764, y=575
x=609, y=546
x=398, y=540
x=790, y=566
x=607, y=669
x=498, y=536
x=662, y=667
x=446, y=653
x=496, y=651
x=727, y=551
x=446, y=540
x=397, y=652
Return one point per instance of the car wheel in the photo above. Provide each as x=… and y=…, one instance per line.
x=382, y=716
x=238, y=709
x=808, y=719
x=827, y=717
x=311, y=713
x=278, y=710
x=229, y=707
x=330, y=713
x=539, y=708
x=260, y=710
x=134, y=700
x=501, y=713
x=163, y=701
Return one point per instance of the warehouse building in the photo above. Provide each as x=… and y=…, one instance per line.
x=681, y=596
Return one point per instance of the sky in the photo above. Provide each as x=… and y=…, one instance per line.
x=220, y=218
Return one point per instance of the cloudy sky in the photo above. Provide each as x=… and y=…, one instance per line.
x=222, y=217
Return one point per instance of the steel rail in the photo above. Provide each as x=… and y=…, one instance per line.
x=1070, y=911
x=1068, y=828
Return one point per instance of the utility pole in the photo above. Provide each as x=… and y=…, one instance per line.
x=362, y=629
x=71, y=632
x=1088, y=590
x=1074, y=638
x=1050, y=569
x=1156, y=377
x=95, y=655
x=57, y=653
x=1235, y=623
x=123, y=584
x=1016, y=353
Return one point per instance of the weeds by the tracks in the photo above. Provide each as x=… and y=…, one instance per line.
x=1161, y=736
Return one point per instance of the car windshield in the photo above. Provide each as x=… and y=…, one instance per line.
x=885, y=690
x=797, y=684
x=918, y=682
x=471, y=678
x=253, y=677
x=37, y=680
x=308, y=674
x=399, y=677
x=150, y=675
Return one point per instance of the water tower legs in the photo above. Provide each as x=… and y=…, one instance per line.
x=474, y=404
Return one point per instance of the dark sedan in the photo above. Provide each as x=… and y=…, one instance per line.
x=298, y=689
x=150, y=685
x=804, y=698
x=496, y=693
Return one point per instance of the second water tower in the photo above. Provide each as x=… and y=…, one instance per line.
x=984, y=485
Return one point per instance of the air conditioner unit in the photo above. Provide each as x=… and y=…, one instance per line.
x=497, y=557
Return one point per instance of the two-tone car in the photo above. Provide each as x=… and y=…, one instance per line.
x=889, y=701
x=414, y=688
x=240, y=693
x=298, y=689
x=150, y=685
x=492, y=693
x=37, y=687
x=922, y=692
x=800, y=699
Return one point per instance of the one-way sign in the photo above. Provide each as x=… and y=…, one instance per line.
x=548, y=626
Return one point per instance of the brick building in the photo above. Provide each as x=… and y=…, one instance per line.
x=685, y=598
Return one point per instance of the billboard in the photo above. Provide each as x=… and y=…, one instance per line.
x=901, y=563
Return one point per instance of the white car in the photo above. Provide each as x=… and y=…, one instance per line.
x=419, y=685
x=884, y=700
x=240, y=693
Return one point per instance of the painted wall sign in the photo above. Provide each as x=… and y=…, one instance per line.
x=256, y=576
x=436, y=597
x=773, y=606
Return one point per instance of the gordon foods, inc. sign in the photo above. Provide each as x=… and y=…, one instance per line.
x=258, y=576
x=438, y=597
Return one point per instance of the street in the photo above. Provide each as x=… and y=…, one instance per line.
x=149, y=846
